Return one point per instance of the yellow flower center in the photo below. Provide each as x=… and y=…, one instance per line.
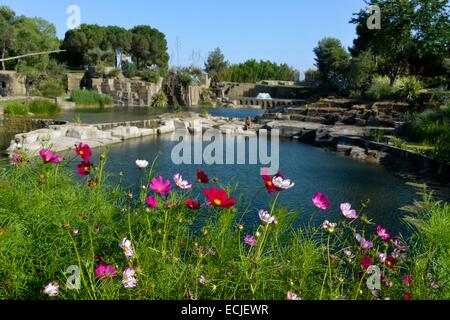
x=217, y=202
x=159, y=189
x=81, y=152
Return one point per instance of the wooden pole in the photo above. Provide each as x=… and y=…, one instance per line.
x=31, y=54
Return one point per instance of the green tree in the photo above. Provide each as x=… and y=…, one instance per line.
x=7, y=19
x=414, y=36
x=216, y=65
x=79, y=41
x=149, y=47
x=332, y=61
x=362, y=70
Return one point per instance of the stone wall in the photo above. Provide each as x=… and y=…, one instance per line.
x=74, y=81
x=126, y=92
x=12, y=84
x=251, y=90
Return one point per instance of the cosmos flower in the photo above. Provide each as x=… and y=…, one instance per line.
x=328, y=226
x=365, y=244
x=390, y=262
x=192, y=204
x=160, y=186
x=407, y=280
x=84, y=168
x=348, y=253
x=366, y=262
x=16, y=158
x=142, y=164
x=321, y=201
x=382, y=233
x=250, y=240
x=49, y=157
x=382, y=257
x=128, y=278
x=182, y=184
x=151, y=202
x=281, y=183
x=84, y=151
x=52, y=289
x=105, y=271
x=127, y=248
x=266, y=217
x=202, y=177
x=348, y=212
x=218, y=198
x=292, y=296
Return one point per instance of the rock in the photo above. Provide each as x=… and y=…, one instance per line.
x=167, y=126
x=345, y=149
x=306, y=136
x=358, y=153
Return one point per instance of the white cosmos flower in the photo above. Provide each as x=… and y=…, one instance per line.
x=182, y=184
x=127, y=248
x=292, y=296
x=266, y=217
x=282, y=183
x=128, y=278
x=142, y=164
x=52, y=289
x=329, y=226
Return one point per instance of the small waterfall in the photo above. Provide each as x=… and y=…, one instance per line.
x=264, y=96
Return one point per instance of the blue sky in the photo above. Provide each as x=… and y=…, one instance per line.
x=277, y=30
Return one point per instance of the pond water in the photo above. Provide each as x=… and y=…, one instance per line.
x=312, y=169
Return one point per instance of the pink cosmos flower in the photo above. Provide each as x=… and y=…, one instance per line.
x=128, y=278
x=347, y=211
x=250, y=240
x=127, y=248
x=182, y=184
x=84, y=168
x=292, y=296
x=48, y=156
x=160, y=186
x=105, y=272
x=151, y=202
x=84, y=151
x=407, y=280
x=382, y=233
x=52, y=289
x=321, y=201
x=382, y=257
x=17, y=158
x=365, y=244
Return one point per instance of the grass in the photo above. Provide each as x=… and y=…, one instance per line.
x=37, y=107
x=88, y=97
x=181, y=253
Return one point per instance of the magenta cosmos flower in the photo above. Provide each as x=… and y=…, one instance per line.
x=383, y=234
x=48, y=156
x=250, y=240
x=105, y=271
x=160, y=186
x=151, y=202
x=321, y=201
x=348, y=212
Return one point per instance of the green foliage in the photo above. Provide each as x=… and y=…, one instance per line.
x=87, y=97
x=51, y=88
x=380, y=89
x=413, y=36
x=43, y=107
x=361, y=72
x=15, y=108
x=253, y=71
x=149, y=75
x=174, y=248
x=114, y=73
x=409, y=88
x=332, y=61
x=159, y=100
x=216, y=65
x=130, y=70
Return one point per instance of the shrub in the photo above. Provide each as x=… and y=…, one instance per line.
x=15, y=108
x=380, y=89
x=149, y=75
x=51, y=88
x=90, y=97
x=130, y=70
x=114, y=73
x=409, y=88
x=159, y=100
x=43, y=107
